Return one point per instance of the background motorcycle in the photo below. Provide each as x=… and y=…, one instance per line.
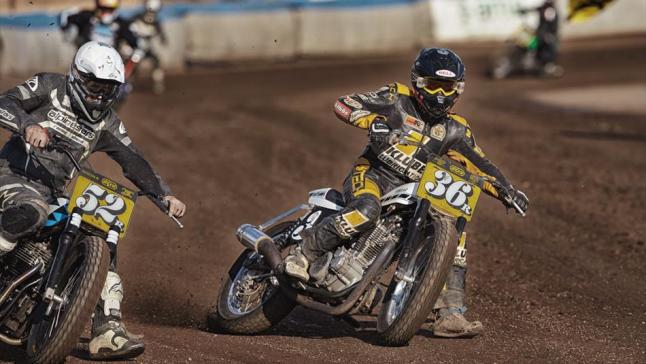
x=417, y=233
x=51, y=282
x=518, y=57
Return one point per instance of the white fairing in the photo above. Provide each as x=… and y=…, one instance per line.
x=403, y=195
x=100, y=60
x=317, y=198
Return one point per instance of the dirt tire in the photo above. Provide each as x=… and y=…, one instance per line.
x=94, y=257
x=426, y=289
x=267, y=315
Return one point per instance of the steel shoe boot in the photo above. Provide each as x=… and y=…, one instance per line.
x=455, y=325
x=110, y=338
x=111, y=341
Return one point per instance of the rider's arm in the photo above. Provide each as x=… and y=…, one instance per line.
x=160, y=31
x=125, y=34
x=361, y=110
x=467, y=152
x=17, y=104
x=115, y=142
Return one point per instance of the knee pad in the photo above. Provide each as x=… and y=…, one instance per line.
x=20, y=220
x=368, y=205
x=360, y=214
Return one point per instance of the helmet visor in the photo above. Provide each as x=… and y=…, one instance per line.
x=432, y=85
x=96, y=89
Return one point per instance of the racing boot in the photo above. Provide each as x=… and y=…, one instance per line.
x=110, y=338
x=450, y=306
x=313, y=258
x=451, y=323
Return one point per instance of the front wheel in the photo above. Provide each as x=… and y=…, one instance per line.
x=407, y=304
x=248, y=302
x=83, y=276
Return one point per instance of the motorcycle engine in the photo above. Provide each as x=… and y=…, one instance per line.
x=348, y=265
x=26, y=255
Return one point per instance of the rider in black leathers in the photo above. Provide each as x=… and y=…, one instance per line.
x=546, y=35
x=75, y=109
x=100, y=24
x=423, y=113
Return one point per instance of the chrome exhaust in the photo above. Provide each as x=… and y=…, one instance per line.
x=250, y=236
x=18, y=281
x=9, y=341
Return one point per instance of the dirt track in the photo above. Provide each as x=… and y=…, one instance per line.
x=566, y=284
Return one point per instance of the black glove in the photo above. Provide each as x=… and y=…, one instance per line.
x=379, y=132
x=517, y=197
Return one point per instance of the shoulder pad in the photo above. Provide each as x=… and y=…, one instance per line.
x=459, y=119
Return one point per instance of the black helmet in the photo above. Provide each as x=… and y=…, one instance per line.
x=438, y=80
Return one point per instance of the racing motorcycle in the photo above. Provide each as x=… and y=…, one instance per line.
x=51, y=282
x=401, y=263
x=518, y=57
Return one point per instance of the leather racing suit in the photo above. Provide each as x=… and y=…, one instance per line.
x=43, y=100
x=384, y=167
x=87, y=26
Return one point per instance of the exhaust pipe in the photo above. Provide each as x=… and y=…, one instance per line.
x=253, y=238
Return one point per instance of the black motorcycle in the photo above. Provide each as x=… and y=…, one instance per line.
x=411, y=249
x=51, y=282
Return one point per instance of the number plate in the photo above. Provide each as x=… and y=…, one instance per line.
x=102, y=201
x=450, y=188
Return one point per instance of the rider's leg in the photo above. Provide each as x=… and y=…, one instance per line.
x=362, y=194
x=110, y=338
x=158, y=75
x=451, y=306
x=23, y=209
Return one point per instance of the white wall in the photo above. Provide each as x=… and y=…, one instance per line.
x=356, y=30
x=460, y=20
x=242, y=35
x=283, y=33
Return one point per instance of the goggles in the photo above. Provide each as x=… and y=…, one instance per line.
x=95, y=88
x=433, y=86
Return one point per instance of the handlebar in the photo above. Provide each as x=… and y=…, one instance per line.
x=502, y=190
x=55, y=144
x=162, y=205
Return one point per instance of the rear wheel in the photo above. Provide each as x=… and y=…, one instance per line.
x=407, y=304
x=83, y=276
x=248, y=302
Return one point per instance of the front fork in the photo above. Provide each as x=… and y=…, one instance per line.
x=65, y=242
x=414, y=240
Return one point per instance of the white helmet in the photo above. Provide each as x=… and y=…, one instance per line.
x=153, y=5
x=94, y=79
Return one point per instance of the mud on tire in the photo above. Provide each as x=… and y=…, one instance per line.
x=93, y=256
x=427, y=287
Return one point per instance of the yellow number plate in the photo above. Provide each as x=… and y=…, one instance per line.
x=450, y=188
x=103, y=202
